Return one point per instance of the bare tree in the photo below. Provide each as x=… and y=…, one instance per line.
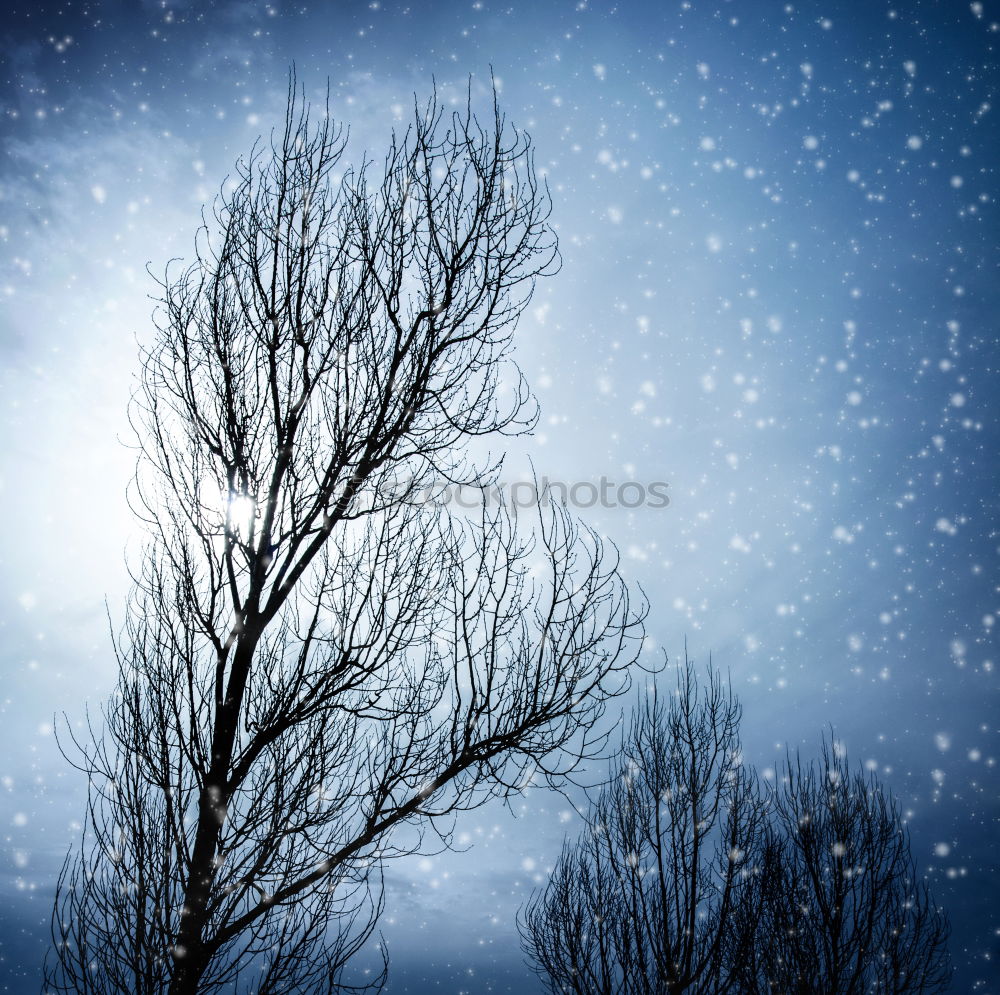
x=314, y=657
x=689, y=879
x=642, y=902
x=842, y=907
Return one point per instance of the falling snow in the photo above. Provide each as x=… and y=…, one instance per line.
x=778, y=295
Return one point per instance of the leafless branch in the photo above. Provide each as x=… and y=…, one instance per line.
x=311, y=659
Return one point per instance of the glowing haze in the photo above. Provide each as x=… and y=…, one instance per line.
x=779, y=297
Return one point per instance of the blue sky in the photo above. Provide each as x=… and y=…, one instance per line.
x=779, y=295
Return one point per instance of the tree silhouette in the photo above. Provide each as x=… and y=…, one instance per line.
x=841, y=906
x=689, y=878
x=643, y=901
x=314, y=655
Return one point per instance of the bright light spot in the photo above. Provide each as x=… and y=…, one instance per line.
x=236, y=510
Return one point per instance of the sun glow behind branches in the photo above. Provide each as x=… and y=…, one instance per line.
x=231, y=512
x=242, y=512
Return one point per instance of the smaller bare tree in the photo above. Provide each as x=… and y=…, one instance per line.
x=841, y=907
x=643, y=902
x=688, y=879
